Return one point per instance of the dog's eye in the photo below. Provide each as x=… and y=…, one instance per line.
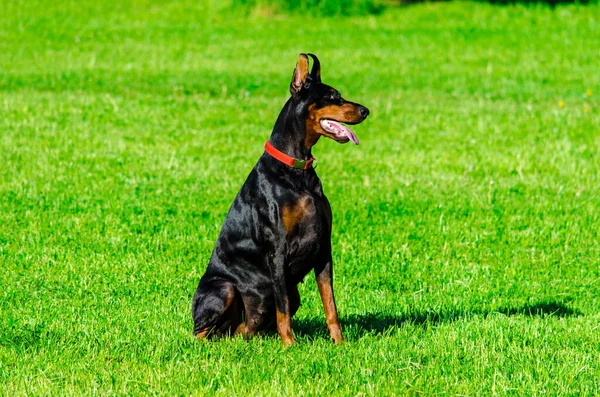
x=334, y=96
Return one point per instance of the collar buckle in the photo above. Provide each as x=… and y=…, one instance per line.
x=305, y=164
x=301, y=164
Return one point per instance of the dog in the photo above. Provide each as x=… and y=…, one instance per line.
x=278, y=228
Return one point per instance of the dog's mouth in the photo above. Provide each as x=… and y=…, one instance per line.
x=340, y=132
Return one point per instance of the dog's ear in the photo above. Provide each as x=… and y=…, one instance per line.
x=315, y=72
x=300, y=75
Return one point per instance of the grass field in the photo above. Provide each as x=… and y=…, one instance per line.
x=466, y=224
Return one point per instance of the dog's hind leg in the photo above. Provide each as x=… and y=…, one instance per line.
x=216, y=309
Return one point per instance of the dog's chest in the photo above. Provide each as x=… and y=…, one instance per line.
x=307, y=231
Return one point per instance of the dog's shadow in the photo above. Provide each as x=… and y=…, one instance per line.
x=356, y=326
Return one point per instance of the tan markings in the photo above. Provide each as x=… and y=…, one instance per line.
x=203, y=334
x=312, y=128
x=248, y=332
x=331, y=316
x=232, y=315
x=295, y=212
x=240, y=329
x=284, y=328
x=347, y=113
x=229, y=299
x=300, y=74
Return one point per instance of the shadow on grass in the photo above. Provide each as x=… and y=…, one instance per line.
x=358, y=325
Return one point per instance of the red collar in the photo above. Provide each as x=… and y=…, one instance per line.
x=288, y=160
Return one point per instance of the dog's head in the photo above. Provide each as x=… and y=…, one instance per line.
x=322, y=106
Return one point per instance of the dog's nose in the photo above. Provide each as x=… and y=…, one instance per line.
x=364, y=112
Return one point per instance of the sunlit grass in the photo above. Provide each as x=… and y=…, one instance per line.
x=466, y=239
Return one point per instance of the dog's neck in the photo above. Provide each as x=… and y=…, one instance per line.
x=289, y=133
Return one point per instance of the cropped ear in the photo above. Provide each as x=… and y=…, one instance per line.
x=315, y=73
x=300, y=74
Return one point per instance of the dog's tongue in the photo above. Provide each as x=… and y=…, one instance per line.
x=342, y=130
x=350, y=134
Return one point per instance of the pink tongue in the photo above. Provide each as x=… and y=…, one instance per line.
x=339, y=130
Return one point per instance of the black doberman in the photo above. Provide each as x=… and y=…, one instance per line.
x=279, y=225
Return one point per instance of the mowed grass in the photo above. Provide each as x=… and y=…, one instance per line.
x=466, y=246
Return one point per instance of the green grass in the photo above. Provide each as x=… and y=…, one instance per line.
x=312, y=7
x=466, y=224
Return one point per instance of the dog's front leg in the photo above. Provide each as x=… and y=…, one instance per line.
x=282, y=303
x=324, y=275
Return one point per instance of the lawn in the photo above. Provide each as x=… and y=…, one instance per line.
x=466, y=223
